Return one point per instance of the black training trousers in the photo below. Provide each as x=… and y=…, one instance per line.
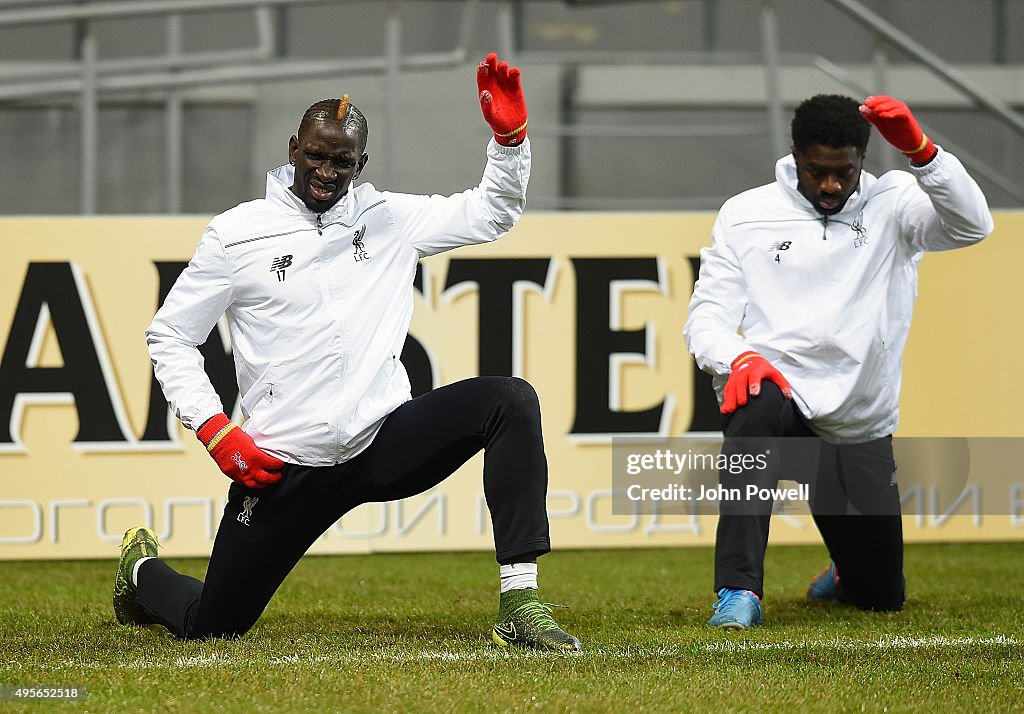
x=265, y=531
x=854, y=501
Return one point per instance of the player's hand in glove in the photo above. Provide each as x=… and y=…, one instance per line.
x=501, y=100
x=748, y=371
x=897, y=125
x=237, y=455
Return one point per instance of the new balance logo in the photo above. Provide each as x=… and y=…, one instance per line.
x=777, y=247
x=278, y=266
x=247, y=505
x=357, y=241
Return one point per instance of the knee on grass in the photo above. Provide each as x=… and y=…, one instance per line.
x=874, y=600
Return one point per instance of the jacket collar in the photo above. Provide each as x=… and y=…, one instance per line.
x=279, y=192
x=785, y=177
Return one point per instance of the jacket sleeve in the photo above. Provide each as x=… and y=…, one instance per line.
x=190, y=311
x=433, y=224
x=718, y=304
x=945, y=209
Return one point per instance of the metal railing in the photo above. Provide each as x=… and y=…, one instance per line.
x=887, y=35
x=89, y=79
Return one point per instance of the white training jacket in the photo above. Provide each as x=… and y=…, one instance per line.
x=318, y=306
x=828, y=300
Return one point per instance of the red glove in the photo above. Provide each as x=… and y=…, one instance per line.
x=237, y=455
x=897, y=125
x=501, y=100
x=747, y=372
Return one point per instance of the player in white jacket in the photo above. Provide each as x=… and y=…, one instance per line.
x=316, y=282
x=801, y=313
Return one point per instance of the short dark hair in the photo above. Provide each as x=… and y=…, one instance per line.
x=329, y=110
x=831, y=120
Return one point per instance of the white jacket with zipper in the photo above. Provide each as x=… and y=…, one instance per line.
x=828, y=300
x=318, y=306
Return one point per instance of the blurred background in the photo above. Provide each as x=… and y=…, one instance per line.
x=644, y=118
x=181, y=106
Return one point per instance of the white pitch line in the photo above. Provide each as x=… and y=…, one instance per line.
x=230, y=660
x=883, y=643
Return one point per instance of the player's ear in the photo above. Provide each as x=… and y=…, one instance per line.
x=293, y=149
x=362, y=163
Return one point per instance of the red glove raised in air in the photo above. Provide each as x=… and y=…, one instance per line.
x=897, y=125
x=237, y=455
x=501, y=100
x=748, y=370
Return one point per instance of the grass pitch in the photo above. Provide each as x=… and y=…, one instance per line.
x=411, y=633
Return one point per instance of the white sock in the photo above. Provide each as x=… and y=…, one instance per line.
x=518, y=576
x=135, y=570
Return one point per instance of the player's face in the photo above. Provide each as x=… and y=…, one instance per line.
x=827, y=176
x=327, y=158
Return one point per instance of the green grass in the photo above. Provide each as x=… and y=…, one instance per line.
x=410, y=633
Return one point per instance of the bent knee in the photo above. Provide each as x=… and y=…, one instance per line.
x=221, y=628
x=882, y=606
x=513, y=392
x=215, y=634
x=875, y=599
x=761, y=415
x=883, y=601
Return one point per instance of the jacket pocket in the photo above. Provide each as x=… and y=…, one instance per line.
x=260, y=393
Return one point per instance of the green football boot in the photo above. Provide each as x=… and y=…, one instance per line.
x=524, y=621
x=138, y=543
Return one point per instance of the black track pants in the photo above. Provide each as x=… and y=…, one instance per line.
x=854, y=500
x=264, y=532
